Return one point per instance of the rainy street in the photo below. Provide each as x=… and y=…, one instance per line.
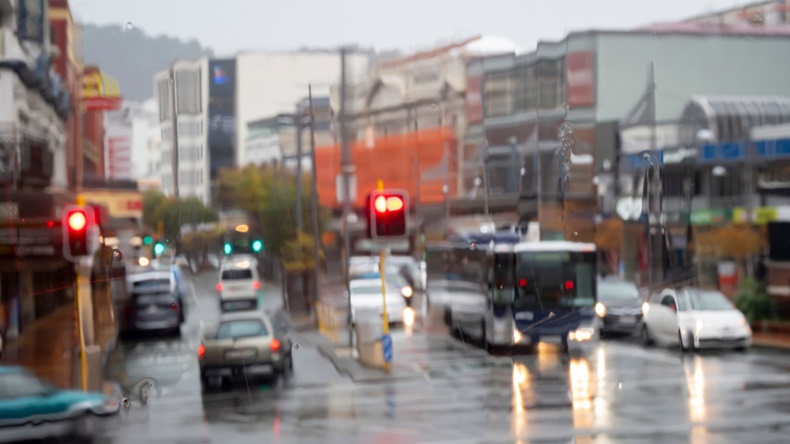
x=449, y=391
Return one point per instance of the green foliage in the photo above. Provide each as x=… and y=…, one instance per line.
x=269, y=197
x=173, y=213
x=752, y=299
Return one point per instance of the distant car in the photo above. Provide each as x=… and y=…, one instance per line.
x=31, y=409
x=695, y=319
x=153, y=306
x=619, y=306
x=161, y=276
x=366, y=296
x=239, y=284
x=245, y=345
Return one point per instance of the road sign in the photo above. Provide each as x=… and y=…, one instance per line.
x=386, y=347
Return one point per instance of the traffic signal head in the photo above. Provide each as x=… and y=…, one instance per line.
x=148, y=240
x=388, y=213
x=257, y=246
x=227, y=248
x=159, y=248
x=80, y=232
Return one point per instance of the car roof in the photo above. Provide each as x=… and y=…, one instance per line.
x=151, y=274
x=12, y=370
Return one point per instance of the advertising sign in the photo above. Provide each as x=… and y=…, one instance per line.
x=580, y=78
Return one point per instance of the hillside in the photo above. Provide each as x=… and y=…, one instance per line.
x=133, y=57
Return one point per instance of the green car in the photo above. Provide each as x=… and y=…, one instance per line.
x=31, y=409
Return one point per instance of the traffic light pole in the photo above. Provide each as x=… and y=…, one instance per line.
x=83, y=299
x=385, y=327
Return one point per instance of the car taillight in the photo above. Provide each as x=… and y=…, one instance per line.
x=274, y=345
x=219, y=286
x=174, y=306
x=256, y=285
x=201, y=351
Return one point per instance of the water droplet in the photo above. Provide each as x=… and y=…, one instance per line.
x=620, y=386
x=575, y=233
x=125, y=402
x=296, y=346
x=128, y=26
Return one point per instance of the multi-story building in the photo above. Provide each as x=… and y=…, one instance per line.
x=191, y=82
x=101, y=93
x=407, y=120
x=118, y=139
x=35, y=106
x=762, y=13
x=218, y=97
x=146, y=142
x=67, y=37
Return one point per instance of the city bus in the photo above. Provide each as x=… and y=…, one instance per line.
x=531, y=292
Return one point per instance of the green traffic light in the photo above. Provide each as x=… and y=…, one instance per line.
x=159, y=248
x=257, y=246
x=227, y=248
x=148, y=240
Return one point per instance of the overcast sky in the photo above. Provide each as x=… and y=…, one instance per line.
x=230, y=26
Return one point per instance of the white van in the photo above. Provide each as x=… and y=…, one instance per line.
x=239, y=284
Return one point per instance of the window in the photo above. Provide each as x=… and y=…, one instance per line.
x=188, y=91
x=229, y=275
x=241, y=329
x=669, y=301
x=708, y=300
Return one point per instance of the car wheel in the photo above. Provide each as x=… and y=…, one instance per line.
x=644, y=335
x=686, y=345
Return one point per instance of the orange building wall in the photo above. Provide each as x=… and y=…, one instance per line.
x=392, y=160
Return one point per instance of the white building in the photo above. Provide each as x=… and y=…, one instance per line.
x=147, y=142
x=191, y=90
x=118, y=139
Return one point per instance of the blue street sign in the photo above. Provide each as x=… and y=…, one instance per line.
x=386, y=347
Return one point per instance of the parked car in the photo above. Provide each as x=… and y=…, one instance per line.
x=153, y=306
x=239, y=284
x=366, y=295
x=695, y=319
x=31, y=409
x=160, y=277
x=243, y=346
x=619, y=306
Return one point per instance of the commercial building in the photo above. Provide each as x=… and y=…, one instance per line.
x=406, y=119
x=583, y=89
x=147, y=142
x=35, y=108
x=761, y=13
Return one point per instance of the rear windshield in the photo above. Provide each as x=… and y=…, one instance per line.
x=153, y=298
x=229, y=275
x=150, y=285
x=241, y=329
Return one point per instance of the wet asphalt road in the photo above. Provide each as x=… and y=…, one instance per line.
x=615, y=392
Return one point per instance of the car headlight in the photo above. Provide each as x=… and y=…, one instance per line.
x=516, y=336
x=143, y=261
x=645, y=308
x=582, y=334
x=600, y=309
x=406, y=291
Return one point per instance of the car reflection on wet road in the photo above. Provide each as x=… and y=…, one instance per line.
x=449, y=391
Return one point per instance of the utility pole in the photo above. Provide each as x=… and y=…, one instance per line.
x=299, y=192
x=314, y=193
x=347, y=168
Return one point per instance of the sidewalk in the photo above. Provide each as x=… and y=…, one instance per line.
x=771, y=340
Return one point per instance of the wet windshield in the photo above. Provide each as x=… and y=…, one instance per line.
x=529, y=173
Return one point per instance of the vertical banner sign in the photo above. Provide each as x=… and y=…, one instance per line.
x=580, y=78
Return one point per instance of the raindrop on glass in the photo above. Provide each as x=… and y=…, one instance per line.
x=128, y=26
x=296, y=346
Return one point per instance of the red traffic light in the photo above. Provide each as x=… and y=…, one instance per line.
x=77, y=220
x=387, y=214
x=384, y=204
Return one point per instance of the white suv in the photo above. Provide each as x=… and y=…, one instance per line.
x=239, y=284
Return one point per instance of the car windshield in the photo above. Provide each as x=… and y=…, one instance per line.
x=617, y=291
x=20, y=385
x=366, y=290
x=708, y=300
x=241, y=329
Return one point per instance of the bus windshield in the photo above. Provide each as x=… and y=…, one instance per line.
x=551, y=279
x=503, y=278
